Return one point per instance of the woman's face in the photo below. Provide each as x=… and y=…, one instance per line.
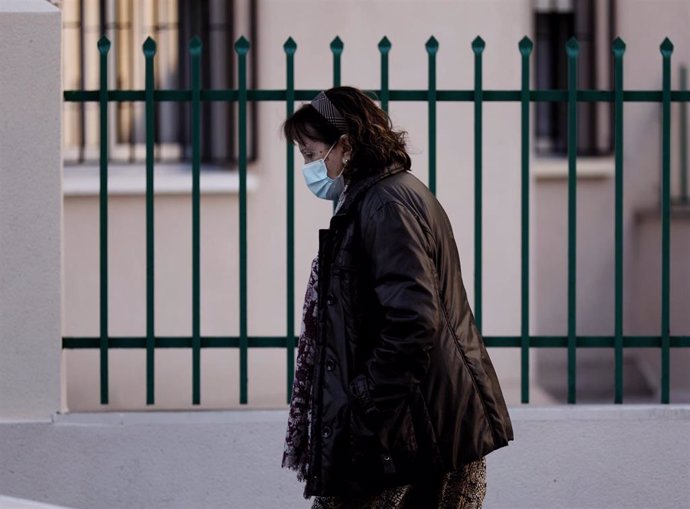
x=313, y=150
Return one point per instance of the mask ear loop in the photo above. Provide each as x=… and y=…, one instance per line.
x=329, y=151
x=326, y=156
x=336, y=142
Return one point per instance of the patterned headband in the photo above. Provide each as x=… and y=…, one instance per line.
x=325, y=107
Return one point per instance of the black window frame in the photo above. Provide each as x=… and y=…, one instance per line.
x=195, y=18
x=553, y=28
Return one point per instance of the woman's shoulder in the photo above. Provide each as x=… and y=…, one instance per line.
x=403, y=193
x=403, y=188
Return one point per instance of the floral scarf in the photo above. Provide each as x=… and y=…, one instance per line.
x=297, y=438
x=296, y=452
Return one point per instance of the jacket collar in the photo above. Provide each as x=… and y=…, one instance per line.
x=358, y=188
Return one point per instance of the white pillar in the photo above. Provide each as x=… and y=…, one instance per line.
x=30, y=209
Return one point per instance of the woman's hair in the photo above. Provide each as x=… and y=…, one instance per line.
x=375, y=145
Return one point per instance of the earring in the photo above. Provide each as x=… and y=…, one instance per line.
x=346, y=161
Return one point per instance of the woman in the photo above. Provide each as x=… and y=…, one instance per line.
x=395, y=401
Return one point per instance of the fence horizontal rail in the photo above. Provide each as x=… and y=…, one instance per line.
x=432, y=96
x=232, y=95
x=87, y=342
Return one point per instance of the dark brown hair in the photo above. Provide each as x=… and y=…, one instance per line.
x=375, y=145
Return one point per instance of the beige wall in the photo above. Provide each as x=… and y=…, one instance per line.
x=643, y=25
x=361, y=26
x=646, y=315
x=313, y=24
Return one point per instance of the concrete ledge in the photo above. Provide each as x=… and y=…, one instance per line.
x=22, y=503
x=594, y=457
x=169, y=178
x=556, y=168
x=575, y=456
x=26, y=6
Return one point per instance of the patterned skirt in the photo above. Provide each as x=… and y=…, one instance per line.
x=461, y=489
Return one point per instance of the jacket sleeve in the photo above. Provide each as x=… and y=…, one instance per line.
x=397, y=254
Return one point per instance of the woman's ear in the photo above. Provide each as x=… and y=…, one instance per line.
x=346, y=146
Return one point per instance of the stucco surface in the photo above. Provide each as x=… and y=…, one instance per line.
x=30, y=209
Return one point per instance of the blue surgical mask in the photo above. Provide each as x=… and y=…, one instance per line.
x=317, y=179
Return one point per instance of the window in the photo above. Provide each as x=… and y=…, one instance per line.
x=172, y=24
x=556, y=21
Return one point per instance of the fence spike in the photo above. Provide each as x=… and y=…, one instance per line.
x=478, y=44
x=195, y=45
x=149, y=47
x=526, y=45
x=572, y=47
x=337, y=45
x=666, y=47
x=618, y=46
x=290, y=46
x=431, y=45
x=104, y=44
x=384, y=45
x=242, y=45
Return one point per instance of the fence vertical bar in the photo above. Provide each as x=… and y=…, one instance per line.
x=478, y=46
x=384, y=49
x=683, y=138
x=195, y=48
x=666, y=51
x=572, y=49
x=618, y=48
x=242, y=48
x=149, y=52
x=337, y=50
x=290, y=47
x=103, y=48
x=525, y=47
x=432, y=49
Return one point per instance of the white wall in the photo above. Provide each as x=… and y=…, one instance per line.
x=586, y=456
x=30, y=209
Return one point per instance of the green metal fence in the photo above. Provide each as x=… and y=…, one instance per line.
x=432, y=96
x=682, y=196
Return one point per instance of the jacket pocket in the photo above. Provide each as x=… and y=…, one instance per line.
x=383, y=443
x=429, y=456
x=399, y=437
